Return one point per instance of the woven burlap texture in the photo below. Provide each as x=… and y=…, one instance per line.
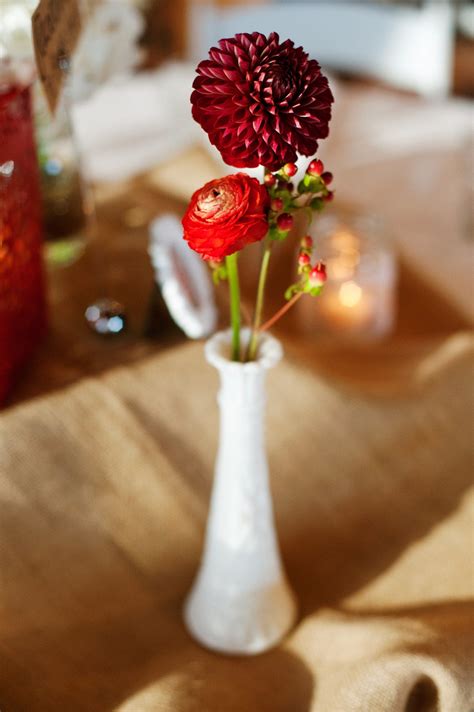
x=104, y=490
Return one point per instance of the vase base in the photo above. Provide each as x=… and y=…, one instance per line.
x=241, y=625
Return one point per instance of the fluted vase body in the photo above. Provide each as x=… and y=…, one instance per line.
x=241, y=602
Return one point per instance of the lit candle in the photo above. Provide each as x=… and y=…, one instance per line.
x=346, y=308
x=358, y=299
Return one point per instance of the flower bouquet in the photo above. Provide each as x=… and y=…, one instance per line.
x=262, y=103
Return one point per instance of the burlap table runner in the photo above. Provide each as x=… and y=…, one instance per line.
x=103, y=498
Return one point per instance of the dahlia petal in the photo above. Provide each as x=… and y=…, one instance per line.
x=257, y=123
x=232, y=74
x=260, y=41
x=244, y=39
x=261, y=101
x=243, y=131
x=241, y=101
x=243, y=63
x=221, y=58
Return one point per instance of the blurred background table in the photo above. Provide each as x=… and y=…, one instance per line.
x=399, y=156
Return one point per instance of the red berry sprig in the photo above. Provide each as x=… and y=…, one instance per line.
x=285, y=222
x=290, y=169
x=303, y=259
x=315, y=182
x=269, y=180
x=318, y=275
x=312, y=277
x=311, y=194
x=277, y=205
x=315, y=168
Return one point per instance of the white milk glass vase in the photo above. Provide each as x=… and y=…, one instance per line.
x=241, y=602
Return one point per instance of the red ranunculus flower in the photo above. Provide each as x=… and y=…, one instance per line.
x=225, y=215
x=261, y=102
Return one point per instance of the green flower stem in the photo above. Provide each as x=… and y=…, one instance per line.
x=253, y=343
x=233, y=277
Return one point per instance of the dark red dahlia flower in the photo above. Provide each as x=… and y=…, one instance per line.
x=225, y=215
x=261, y=102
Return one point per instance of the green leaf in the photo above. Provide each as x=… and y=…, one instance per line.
x=312, y=291
x=219, y=274
x=287, y=198
x=293, y=289
x=312, y=184
x=278, y=235
x=317, y=204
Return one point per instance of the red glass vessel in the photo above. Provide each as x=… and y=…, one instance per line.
x=22, y=296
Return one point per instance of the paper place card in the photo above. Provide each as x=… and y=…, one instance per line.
x=56, y=30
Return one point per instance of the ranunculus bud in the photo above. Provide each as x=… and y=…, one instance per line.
x=303, y=259
x=318, y=275
x=269, y=180
x=327, y=177
x=315, y=168
x=276, y=204
x=290, y=169
x=285, y=222
x=307, y=242
x=225, y=215
x=329, y=197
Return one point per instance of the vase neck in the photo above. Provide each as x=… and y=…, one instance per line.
x=242, y=390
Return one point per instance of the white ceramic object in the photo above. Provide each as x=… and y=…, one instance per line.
x=183, y=278
x=241, y=602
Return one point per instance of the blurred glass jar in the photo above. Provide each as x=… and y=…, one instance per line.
x=66, y=206
x=22, y=294
x=107, y=47
x=358, y=302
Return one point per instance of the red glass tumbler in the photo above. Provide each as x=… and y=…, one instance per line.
x=22, y=294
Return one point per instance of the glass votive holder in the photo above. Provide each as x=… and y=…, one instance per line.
x=358, y=302
x=66, y=202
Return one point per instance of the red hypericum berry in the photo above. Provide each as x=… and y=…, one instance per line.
x=285, y=222
x=269, y=180
x=329, y=196
x=290, y=169
x=318, y=275
x=327, y=177
x=315, y=168
x=303, y=259
x=285, y=185
x=307, y=242
x=276, y=204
